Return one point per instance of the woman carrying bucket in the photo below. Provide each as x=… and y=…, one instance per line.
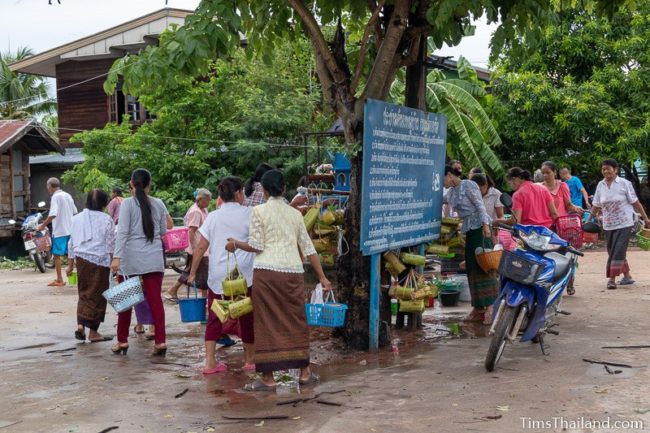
x=139, y=252
x=279, y=238
x=230, y=220
x=92, y=240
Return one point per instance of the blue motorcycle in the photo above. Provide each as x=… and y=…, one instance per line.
x=532, y=281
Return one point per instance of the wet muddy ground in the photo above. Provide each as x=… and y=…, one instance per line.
x=50, y=382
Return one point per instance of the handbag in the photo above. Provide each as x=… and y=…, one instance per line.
x=125, y=295
x=234, y=286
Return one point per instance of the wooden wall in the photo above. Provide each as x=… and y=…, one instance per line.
x=6, y=205
x=84, y=106
x=11, y=168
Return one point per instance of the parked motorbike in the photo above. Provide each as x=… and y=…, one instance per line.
x=37, y=243
x=532, y=281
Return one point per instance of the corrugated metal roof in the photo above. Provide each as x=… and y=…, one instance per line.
x=72, y=156
x=33, y=136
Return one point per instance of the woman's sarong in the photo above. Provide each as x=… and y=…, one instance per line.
x=617, y=242
x=92, y=282
x=280, y=324
x=483, y=286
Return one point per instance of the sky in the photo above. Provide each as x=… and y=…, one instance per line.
x=35, y=24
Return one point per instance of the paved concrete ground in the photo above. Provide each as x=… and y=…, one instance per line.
x=432, y=385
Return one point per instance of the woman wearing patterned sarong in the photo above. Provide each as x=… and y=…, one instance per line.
x=278, y=237
x=90, y=247
x=464, y=197
x=616, y=199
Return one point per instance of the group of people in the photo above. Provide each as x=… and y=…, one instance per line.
x=253, y=229
x=557, y=194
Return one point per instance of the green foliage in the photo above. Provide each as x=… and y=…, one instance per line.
x=242, y=113
x=22, y=96
x=582, y=97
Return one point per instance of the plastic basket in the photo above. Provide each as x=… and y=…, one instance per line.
x=192, y=309
x=519, y=268
x=330, y=314
x=589, y=238
x=143, y=313
x=643, y=242
x=176, y=239
x=507, y=240
x=569, y=228
x=125, y=295
x=43, y=243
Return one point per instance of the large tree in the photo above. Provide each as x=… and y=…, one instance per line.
x=582, y=96
x=390, y=35
x=22, y=95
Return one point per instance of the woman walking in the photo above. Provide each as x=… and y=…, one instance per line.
x=616, y=199
x=92, y=240
x=464, y=197
x=231, y=220
x=279, y=238
x=139, y=253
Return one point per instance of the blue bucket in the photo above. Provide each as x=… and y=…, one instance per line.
x=192, y=309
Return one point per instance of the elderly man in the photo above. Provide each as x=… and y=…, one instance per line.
x=62, y=208
x=194, y=218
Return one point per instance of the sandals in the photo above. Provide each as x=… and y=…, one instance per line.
x=80, y=335
x=258, y=385
x=625, y=281
x=611, y=285
x=56, y=283
x=570, y=291
x=100, y=339
x=219, y=368
x=170, y=298
x=313, y=378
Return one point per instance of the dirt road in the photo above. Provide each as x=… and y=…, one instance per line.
x=432, y=385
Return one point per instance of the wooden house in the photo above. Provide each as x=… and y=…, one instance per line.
x=19, y=139
x=80, y=69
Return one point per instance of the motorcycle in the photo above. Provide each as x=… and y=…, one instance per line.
x=37, y=243
x=532, y=281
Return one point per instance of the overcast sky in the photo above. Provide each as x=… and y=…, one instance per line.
x=35, y=24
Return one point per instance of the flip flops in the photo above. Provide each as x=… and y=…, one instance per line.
x=80, y=335
x=611, y=285
x=625, y=281
x=102, y=338
x=170, y=298
x=258, y=385
x=219, y=368
x=56, y=283
x=313, y=378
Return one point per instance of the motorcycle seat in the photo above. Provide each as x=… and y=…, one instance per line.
x=562, y=264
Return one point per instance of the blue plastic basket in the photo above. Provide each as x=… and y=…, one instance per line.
x=330, y=314
x=192, y=309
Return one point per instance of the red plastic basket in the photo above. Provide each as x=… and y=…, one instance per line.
x=569, y=228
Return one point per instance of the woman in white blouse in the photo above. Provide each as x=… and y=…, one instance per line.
x=279, y=238
x=616, y=199
x=92, y=240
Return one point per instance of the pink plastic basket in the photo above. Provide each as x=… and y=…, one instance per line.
x=505, y=238
x=569, y=228
x=176, y=239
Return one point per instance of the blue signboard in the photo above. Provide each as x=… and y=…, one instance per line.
x=403, y=169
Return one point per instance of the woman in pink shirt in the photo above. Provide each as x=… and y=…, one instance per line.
x=558, y=189
x=532, y=204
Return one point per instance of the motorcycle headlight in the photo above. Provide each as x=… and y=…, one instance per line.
x=539, y=242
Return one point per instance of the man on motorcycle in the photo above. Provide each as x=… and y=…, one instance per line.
x=62, y=208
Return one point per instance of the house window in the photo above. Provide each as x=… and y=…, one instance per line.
x=120, y=105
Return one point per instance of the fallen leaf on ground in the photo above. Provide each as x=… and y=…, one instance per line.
x=641, y=411
x=602, y=391
x=168, y=416
x=454, y=404
x=184, y=375
x=295, y=418
x=503, y=408
x=210, y=429
x=260, y=424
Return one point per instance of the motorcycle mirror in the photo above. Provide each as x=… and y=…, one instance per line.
x=12, y=222
x=41, y=204
x=506, y=200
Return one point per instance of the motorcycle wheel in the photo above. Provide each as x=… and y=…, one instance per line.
x=40, y=263
x=499, y=338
